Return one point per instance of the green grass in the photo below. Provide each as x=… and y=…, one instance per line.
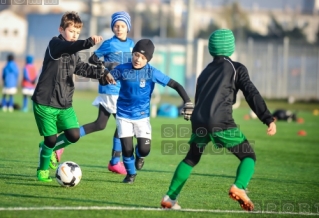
x=286, y=173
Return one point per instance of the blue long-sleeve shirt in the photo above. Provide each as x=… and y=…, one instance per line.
x=114, y=50
x=137, y=86
x=10, y=75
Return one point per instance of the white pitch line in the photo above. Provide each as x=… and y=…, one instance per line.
x=150, y=209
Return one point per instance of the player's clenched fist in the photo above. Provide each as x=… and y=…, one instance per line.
x=97, y=39
x=271, y=129
x=188, y=110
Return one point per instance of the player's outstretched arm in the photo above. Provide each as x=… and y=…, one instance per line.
x=272, y=129
x=94, y=59
x=188, y=105
x=97, y=39
x=57, y=47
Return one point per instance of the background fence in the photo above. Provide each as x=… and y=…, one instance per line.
x=278, y=69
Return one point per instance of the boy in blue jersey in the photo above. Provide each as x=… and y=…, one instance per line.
x=117, y=50
x=137, y=80
x=10, y=78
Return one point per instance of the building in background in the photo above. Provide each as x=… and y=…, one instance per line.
x=13, y=32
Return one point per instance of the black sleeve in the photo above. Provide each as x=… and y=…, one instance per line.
x=57, y=47
x=94, y=59
x=179, y=89
x=86, y=70
x=252, y=96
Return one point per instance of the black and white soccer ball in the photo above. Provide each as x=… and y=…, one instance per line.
x=68, y=174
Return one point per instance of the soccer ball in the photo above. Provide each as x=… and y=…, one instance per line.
x=68, y=174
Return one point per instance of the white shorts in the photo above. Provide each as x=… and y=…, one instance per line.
x=107, y=101
x=9, y=91
x=138, y=128
x=27, y=91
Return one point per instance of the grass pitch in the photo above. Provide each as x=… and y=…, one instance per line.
x=285, y=183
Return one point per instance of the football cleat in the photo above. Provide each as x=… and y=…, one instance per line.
x=53, y=161
x=139, y=163
x=168, y=203
x=129, y=178
x=44, y=176
x=4, y=108
x=58, y=154
x=117, y=168
x=240, y=195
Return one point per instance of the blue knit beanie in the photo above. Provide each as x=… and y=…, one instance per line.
x=123, y=16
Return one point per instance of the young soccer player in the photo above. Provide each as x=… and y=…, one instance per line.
x=10, y=78
x=137, y=80
x=117, y=49
x=216, y=91
x=53, y=94
x=28, y=82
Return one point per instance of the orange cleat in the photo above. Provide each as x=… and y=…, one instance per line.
x=242, y=198
x=168, y=203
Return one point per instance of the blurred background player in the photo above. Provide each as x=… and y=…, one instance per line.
x=29, y=79
x=138, y=79
x=53, y=95
x=285, y=115
x=216, y=90
x=10, y=77
x=117, y=50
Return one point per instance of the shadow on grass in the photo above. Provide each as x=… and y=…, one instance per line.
x=233, y=177
x=72, y=200
x=25, y=177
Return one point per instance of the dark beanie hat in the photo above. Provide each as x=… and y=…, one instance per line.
x=221, y=43
x=145, y=47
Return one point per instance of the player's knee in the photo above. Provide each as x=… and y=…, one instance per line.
x=249, y=155
x=100, y=126
x=73, y=138
x=190, y=162
x=252, y=156
x=50, y=141
x=72, y=135
x=144, y=150
x=243, y=150
x=194, y=154
x=127, y=146
x=143, y=146
x=191, y=159
x=127, y=151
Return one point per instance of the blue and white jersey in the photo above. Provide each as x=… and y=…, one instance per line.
x=136, y=89
x=115, y=50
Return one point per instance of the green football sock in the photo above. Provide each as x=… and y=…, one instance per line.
x=244, y=172
x=180, y=177
x=61, y=142
x=45, y=155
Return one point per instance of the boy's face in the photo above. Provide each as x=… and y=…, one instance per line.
x=70, y=33
x=120, y=29
x=138, y=60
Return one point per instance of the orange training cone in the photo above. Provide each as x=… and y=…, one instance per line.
x=302, y=133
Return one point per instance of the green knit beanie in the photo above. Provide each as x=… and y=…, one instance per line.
x=221, y=43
